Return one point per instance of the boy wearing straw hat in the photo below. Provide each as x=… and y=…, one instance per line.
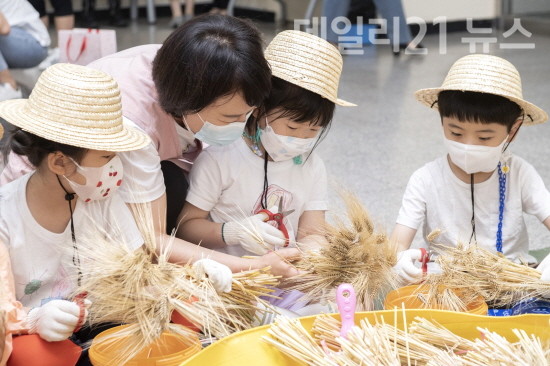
x=478, y=192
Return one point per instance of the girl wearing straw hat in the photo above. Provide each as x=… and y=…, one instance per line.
x=478, y=192
x=198, y=87
x=272, y=169
x=71, y=130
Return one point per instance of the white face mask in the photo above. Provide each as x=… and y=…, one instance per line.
x=101, y=182
x=474, y=158
x=281, y=147
x=220, y=135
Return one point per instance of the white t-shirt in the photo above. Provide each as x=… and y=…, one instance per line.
x=438, y=198
x=42, y=260
x=228, y=182
x=143, y=179
x=20, y=13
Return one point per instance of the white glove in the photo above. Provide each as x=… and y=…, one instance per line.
x=219, y=274
x=544, y=269
x=405, y=267
x=56, y=320
x=253, y=234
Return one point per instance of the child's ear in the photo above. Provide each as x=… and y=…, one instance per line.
x=514, y=130
x=58, y=163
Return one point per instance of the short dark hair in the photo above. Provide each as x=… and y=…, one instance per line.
x=36, y=148
x=207, y=58
x=467, y=106
x=296, y=103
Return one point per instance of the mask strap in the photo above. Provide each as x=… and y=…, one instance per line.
x=473, y=211
x=186, y=124
x=202, y=120
x=76, y=257
x=263, y=200
x=515, y=133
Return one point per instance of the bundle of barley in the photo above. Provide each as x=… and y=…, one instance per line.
x=290, y=337
x=142, y=288
x=366, y=344
x=439, y=336
x=477, y=271
x=354, y=253
x=423, y=343
x=493, y=349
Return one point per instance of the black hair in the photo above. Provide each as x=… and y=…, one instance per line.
x=36, y=148
x=209, y=57
x=297, y=104
x=467, y=106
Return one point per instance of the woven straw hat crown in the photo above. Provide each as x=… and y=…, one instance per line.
x=75, y=105
x=485, y=74
x=307, y=61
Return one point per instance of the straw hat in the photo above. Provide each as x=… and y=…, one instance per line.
x=307, y=61
x=485, y=74
x=1, y=131
x=77, y=106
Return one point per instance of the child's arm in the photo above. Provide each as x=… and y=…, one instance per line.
x=193, y=219
x=311, y=229
x=194, y=226
x=403, y=236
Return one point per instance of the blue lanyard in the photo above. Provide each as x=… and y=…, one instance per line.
x=501, y=198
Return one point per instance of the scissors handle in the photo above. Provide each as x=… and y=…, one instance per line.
x=424, y=259
x=278, y=218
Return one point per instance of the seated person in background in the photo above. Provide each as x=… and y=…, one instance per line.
x=24, y=42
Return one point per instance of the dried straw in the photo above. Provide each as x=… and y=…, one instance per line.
x=141, y=288
x=423, y=343
x=473, y=271
x=354, y=253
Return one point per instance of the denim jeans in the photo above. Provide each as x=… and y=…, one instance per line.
x=20, y=50
x=387, y=9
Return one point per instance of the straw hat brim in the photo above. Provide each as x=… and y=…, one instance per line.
x=533, y=114
x=1, y=131
x=343, y=103
x=126, y=139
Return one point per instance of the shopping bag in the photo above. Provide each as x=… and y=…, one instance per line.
x=82, y=46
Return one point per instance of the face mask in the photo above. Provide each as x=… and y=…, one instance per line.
x=280, y=147
x=101, y=182
x=474, y=158
x=220, y=135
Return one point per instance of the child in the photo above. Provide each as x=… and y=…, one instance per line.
x=272, y=167
x=479, y=191
x=70, y=129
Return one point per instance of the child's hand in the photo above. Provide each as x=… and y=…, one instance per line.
x=253, y=234
x=56, y=320
x=280, y=262
x=405, y=267
x=219, y=274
